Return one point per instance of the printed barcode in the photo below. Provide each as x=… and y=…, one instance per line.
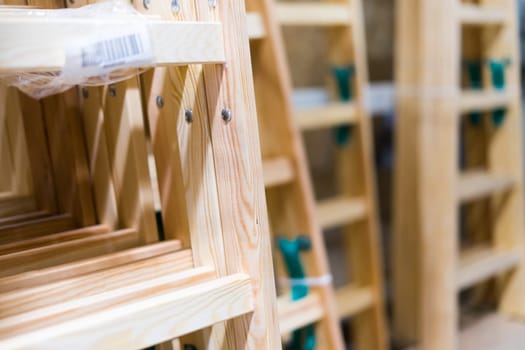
x=112, y=52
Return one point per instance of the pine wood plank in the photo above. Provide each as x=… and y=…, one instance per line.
x=353, y=299
x=166, y=315
x=45, y=50
x=476, y=184
x=483, y=100
x=277, y=171
x=255, y=26
x=483, y=262
x=298, y=313
x=472, y=14
x=65, y=252
x=339, y=211
x=331, y=115
x=35, y=228
x=313, y=14
x=79, y=267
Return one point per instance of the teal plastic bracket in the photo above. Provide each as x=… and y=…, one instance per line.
x=304, y=338
x=497, y=72
x=474, y=70
x=343, y=76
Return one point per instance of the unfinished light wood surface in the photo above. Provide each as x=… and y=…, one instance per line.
x=313, y=14
x=331, y=115
x=291, y=205
x=45, y=50
x=35, y=228
x=429, y=269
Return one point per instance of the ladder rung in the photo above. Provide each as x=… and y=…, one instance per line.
x=255, y=26
x=79, y=267
x=340, y=211
x=313, y=14
x=481, y=263
x=277, y=171
x=14, y=205
x=137, y=316
x=351, y=300
x=333, y=114
x=35, y=228
x=53, y=239
x=25, y=300
x=64, y=252
x=40, y=44
x=10, y=220
x=476, y=184
x=297, y=314
x=483, y=100
x=480, y=15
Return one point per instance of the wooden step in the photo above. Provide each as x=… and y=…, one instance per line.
x=80, y=267
x=483, y=100
x=35, y=228
x=299, y=313
x=255, y=26
x=277, y=171
x=330, y=115
x=27, y=299
x=313, y=14
x=172, y=42
x=470, y=14
x=53, y=239
x=65, y=252
x=351, y=300
x=481, y=263
x=476, y=184
x=10, y=220
x=15, y=205
x=135, y=316
x=339, y=211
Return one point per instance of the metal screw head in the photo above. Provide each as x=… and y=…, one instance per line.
x=146, y=3
x=175, y=6
x=160, y=101
x=188, y=115
x=85, y=92
x=112, y=91
x=226, y=115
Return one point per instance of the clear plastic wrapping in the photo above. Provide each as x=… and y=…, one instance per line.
x=94, y=57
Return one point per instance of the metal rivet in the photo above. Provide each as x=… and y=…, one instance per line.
x=188, y=115
x=85, y=92
x=160, y=101
x=226, y=114
x=146, y=3
x=175, y=6
x=112, y=91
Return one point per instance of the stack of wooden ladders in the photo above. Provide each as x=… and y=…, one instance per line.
x=355, y=207
x=83, y=267
x=290, y=200
x=432, y=263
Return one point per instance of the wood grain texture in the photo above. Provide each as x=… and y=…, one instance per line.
x=292, y=206
x=239, y=178
x=79, y=267
x=164, y=315
x=35, y=228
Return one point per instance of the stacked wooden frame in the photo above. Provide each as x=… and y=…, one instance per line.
x=84, y=267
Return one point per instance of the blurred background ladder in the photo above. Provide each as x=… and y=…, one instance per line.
x=459, y=139
x=290, y=199
x=354, y=208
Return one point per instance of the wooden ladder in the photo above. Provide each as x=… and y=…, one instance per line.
x=290, y=199
x=443, y=108
x=354, y=209
x=109, y=283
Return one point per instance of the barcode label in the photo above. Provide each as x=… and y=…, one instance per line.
x=97, y=56
x=113, y=52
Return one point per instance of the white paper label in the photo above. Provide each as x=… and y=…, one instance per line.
x=100, y=55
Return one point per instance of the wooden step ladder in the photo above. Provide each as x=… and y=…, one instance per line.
x=434, y=259
x=109, y=283
x=290, y=200
x=354, y=208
